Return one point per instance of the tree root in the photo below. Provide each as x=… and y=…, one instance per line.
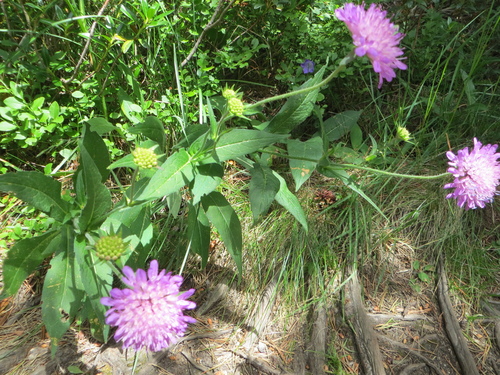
x=317, y=345
x=260, y=365
x=452, y=327
x=410, y=369
x=412, y=352
x=366, y=339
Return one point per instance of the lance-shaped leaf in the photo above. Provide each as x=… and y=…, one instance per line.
x=302, y=169
x=25, y=256
x=222, y=216
x=206, y=180
x=288, y=200
x=263, y=188
x=297, y=108
x=239, y=142
x=152, y=128
x=38, y=190
x=62, y=294
x=97, y=279
x=340, y=124
x=97, y=150
x=97, y=197
x=199, y=232
x=174, y=173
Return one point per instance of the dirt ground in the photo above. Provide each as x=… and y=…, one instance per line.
x=393, y=330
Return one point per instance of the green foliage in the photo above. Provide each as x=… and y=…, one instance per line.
x=121, y=96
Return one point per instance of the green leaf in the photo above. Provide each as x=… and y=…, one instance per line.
x=25, y=256
x=356, y=137
x=152, y=128
x=340, y=124
x=173, y=174
x=7, y=126
x=263, y=188
x=302, y=169
x=13, y=103
x=97, y=197
x=97, y=280
x=297, y=108
x=61, y=295
x=74, y=370
x=290, y=202
x=100, y=125
x=222, y=216
x=199, y=232
x=38, y=190
x=125, y=162
x=424, y=277
x=239, y=142
x=131, y=110
x=126, y=45
x=54, y=110
x=37, y=103
x=95, y=147
x=206, y=180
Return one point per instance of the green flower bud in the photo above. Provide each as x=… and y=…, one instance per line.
x=228, y=93
x=145, y=158
x=403, y=133
x=110, y=247
x=236, y=106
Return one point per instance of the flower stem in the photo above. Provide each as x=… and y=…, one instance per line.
x=378, y=171
x=343, y=63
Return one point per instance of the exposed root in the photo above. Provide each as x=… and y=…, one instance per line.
x=317, y=345
x=366, y=339
x=412, y=352
x=410, y=369
x=452, y=327
x=260, y=365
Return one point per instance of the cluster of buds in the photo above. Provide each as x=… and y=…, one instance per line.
x=234, y=102
x=110, y=247
x=145, y=158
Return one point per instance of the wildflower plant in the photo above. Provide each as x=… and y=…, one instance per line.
x=78, y=280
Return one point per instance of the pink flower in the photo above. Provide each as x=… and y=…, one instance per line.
x=149, y=314
x=477, y=175
x=375, y=36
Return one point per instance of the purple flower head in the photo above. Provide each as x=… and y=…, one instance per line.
x=477, y=175
x=150, y=313
x=307, y=66
x=375, y=36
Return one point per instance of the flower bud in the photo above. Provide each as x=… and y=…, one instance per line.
x=228, y=93
x=110, y=247
x=145, y=158
x=236, y=106
x=403, y=133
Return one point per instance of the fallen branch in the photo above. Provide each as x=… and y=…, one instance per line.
x=216, y=18
x=87, y=44
x=452, y=327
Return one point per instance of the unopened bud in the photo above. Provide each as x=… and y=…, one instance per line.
x=403, y=133
x=110, y=247
x=145, y=158
x=228, y=93
x=236, y=106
